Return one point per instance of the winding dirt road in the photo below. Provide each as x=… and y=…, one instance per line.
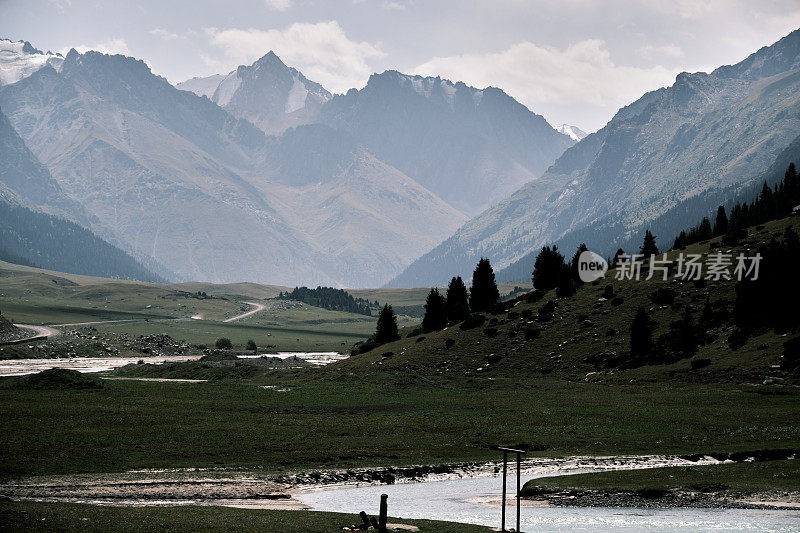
x=257, y=307
x=40, y=331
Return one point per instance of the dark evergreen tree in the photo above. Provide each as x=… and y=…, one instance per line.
x=721, y=222
x=574, y=263
x=641, y=334
x=457, y=300
x=767, y=203
x=547, y=268
x=484, y=293
x=649, y=245
x=386, y=330
x=687, y=334
x=566, y=284
x=704, y=231
x=435, y=312
x=615, y=262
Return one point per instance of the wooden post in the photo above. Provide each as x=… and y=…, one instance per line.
x=364, y=519
x=383, y=512
x=518, y=490
x=503, y=512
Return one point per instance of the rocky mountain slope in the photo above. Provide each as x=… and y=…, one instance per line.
x=174, y=177
x=32, y=237
x=705, y=131
x=468, y=146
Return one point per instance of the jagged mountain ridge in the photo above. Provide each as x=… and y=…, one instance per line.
x=705, y=131
x=177, y=178
x=470, y=147
x=269, y=94
x=19, y=59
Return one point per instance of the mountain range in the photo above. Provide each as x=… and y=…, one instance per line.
x=262, y=180
x=263, y=175
x=706, y=131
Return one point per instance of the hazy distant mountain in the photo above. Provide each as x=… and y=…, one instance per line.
x=705, y=131
x=39, y=239
x=25, y=180
x=470, y=147
x=153, y=164
x=573, y=132
x=368, y=217
x=19, y=59
x=175, y=177
x=269, y=94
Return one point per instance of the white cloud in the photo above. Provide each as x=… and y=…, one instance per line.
x=279, y=5
x=61, y=5
x=395, y=6
x=164, y=34
x=689, y=9
x=655, y=52
x=582, y=73
x=111, y=46
x=321, y=51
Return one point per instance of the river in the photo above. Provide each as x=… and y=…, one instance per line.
x=476, y=501
x=21, y=367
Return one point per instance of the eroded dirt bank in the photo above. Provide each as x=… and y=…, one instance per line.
x=271, y=490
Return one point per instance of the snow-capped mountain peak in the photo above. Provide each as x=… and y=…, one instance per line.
x=20, y=59
x=268, y=93
x=573, y=132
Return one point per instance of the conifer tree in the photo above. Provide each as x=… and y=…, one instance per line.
x=687, y=334
x=641, y=333
x=457, y=300
x=574, y=263
x=704, y=231
x=566, y=285
x=547, y=268
x=649, y=245
x=484, y=293
x=386, y=330
x=767, y=203
x=620, y=252
x=435, y=312
x=721, y=222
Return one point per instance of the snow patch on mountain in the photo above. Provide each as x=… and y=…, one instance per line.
x=206, y=86
x=18, y=60
x=297, y=95
x=227, y=88
x=573, y=132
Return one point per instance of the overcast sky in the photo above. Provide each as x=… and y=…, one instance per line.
x=573, y=61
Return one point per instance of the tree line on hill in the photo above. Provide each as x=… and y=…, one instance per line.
x=767, y=302
x=37, y=239
x=772, y=203
x=330, y=298
x=458, y=304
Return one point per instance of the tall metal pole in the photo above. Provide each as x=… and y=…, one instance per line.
x=518, y=490
x=503, y=514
